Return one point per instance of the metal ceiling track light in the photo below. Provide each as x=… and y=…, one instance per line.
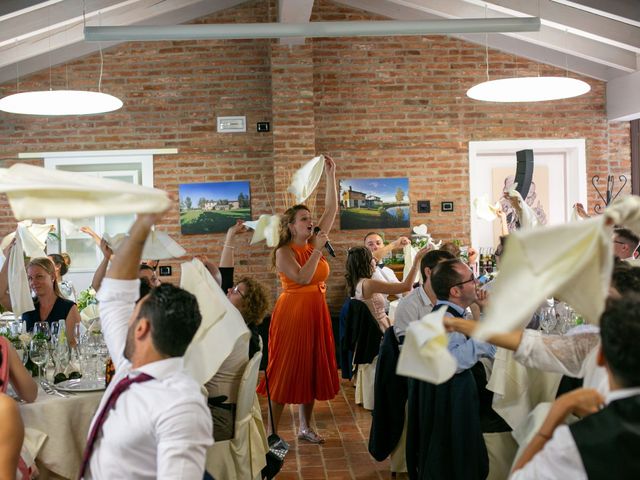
x=230, y=31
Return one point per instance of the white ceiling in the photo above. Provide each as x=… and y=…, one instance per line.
x=596, y=38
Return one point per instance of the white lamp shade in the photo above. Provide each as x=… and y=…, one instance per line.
x=60, y=102
x=528, y=89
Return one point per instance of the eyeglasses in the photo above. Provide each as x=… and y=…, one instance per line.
x=472, y=279
x=237, y=290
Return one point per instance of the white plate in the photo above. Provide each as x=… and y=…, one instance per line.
x=80, y=385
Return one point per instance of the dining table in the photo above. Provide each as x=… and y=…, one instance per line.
x=56, y=425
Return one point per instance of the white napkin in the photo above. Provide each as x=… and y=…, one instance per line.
x=484, y=210
x=267, y=227
x=409, y=251
x=31, y=245
x=526, y=215
x=89, y=314
x=33, y=236
x=222, y=324
x=424, y=354
x=574, y=215
x=36, y=192
x=31, y=445
x=19, y=290
x=158, y=246
x=306, y=179
x=571, y=262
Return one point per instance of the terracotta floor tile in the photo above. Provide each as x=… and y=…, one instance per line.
x=344, y=455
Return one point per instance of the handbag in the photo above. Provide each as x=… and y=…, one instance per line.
x=278, y=447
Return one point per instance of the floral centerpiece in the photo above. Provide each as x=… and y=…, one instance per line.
x=421, y=238
x=85, y=298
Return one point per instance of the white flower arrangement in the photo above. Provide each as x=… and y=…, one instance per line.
x=421, y=238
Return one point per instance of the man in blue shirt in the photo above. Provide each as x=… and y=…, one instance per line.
x=455, y=286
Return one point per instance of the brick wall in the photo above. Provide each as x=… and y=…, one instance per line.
x=381, y=106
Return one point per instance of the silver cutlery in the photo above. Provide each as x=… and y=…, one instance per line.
x=51, y=390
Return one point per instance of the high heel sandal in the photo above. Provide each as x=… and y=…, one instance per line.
x=309, y=435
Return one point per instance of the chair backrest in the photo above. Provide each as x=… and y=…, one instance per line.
x=363, y=334
x=247, y=388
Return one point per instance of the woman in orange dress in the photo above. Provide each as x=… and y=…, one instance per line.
x=302, y=363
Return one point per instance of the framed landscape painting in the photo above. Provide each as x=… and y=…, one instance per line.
x=374, y=203
x=213, y=207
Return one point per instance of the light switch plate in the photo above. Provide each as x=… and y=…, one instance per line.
x=232, y=124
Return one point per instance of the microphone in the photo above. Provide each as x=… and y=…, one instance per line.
x=327, y=245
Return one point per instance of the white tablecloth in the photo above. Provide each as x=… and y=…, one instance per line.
x=65, y=421
x=518, y=389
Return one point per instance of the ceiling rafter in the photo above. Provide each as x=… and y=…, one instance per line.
x=578, y=22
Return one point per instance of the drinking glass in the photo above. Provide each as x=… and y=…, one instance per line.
x=548, y=320
x=39, y=353
x=41, y=327
x=55, y=332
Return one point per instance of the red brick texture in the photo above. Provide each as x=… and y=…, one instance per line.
x=383, y=107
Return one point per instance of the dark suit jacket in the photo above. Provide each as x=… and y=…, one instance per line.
x=390, y=399
x=362, y=334
x=444, y=437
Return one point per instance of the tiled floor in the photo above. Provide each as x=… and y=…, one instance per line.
x=345, y=427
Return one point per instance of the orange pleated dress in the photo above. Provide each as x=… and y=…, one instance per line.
x=302, y=360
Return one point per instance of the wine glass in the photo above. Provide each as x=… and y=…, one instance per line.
x=41, y=327
x=39, y=353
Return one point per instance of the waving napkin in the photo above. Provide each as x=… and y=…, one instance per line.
x=222, y=324
x=33, y=237
x=267, y=227
x=306, y=179
x=424, y=354
x=409, y=251
x=19, y=290
x=36, y=192
x=526, y=215
x=158, y=246
x=571, y=262
x=484, y=210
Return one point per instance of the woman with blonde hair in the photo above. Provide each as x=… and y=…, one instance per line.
x=302, y=364
x=50, y=305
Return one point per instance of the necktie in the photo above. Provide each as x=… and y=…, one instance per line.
x=381, y=266
x=119, y=389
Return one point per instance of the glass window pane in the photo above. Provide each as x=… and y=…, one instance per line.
x=114, y=224
x=82, y=252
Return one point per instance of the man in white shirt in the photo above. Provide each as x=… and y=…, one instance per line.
x=374, y=242
x=604, y=444
x=421, y=300
x=153, y=421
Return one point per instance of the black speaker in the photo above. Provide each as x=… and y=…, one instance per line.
x=524, y=172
